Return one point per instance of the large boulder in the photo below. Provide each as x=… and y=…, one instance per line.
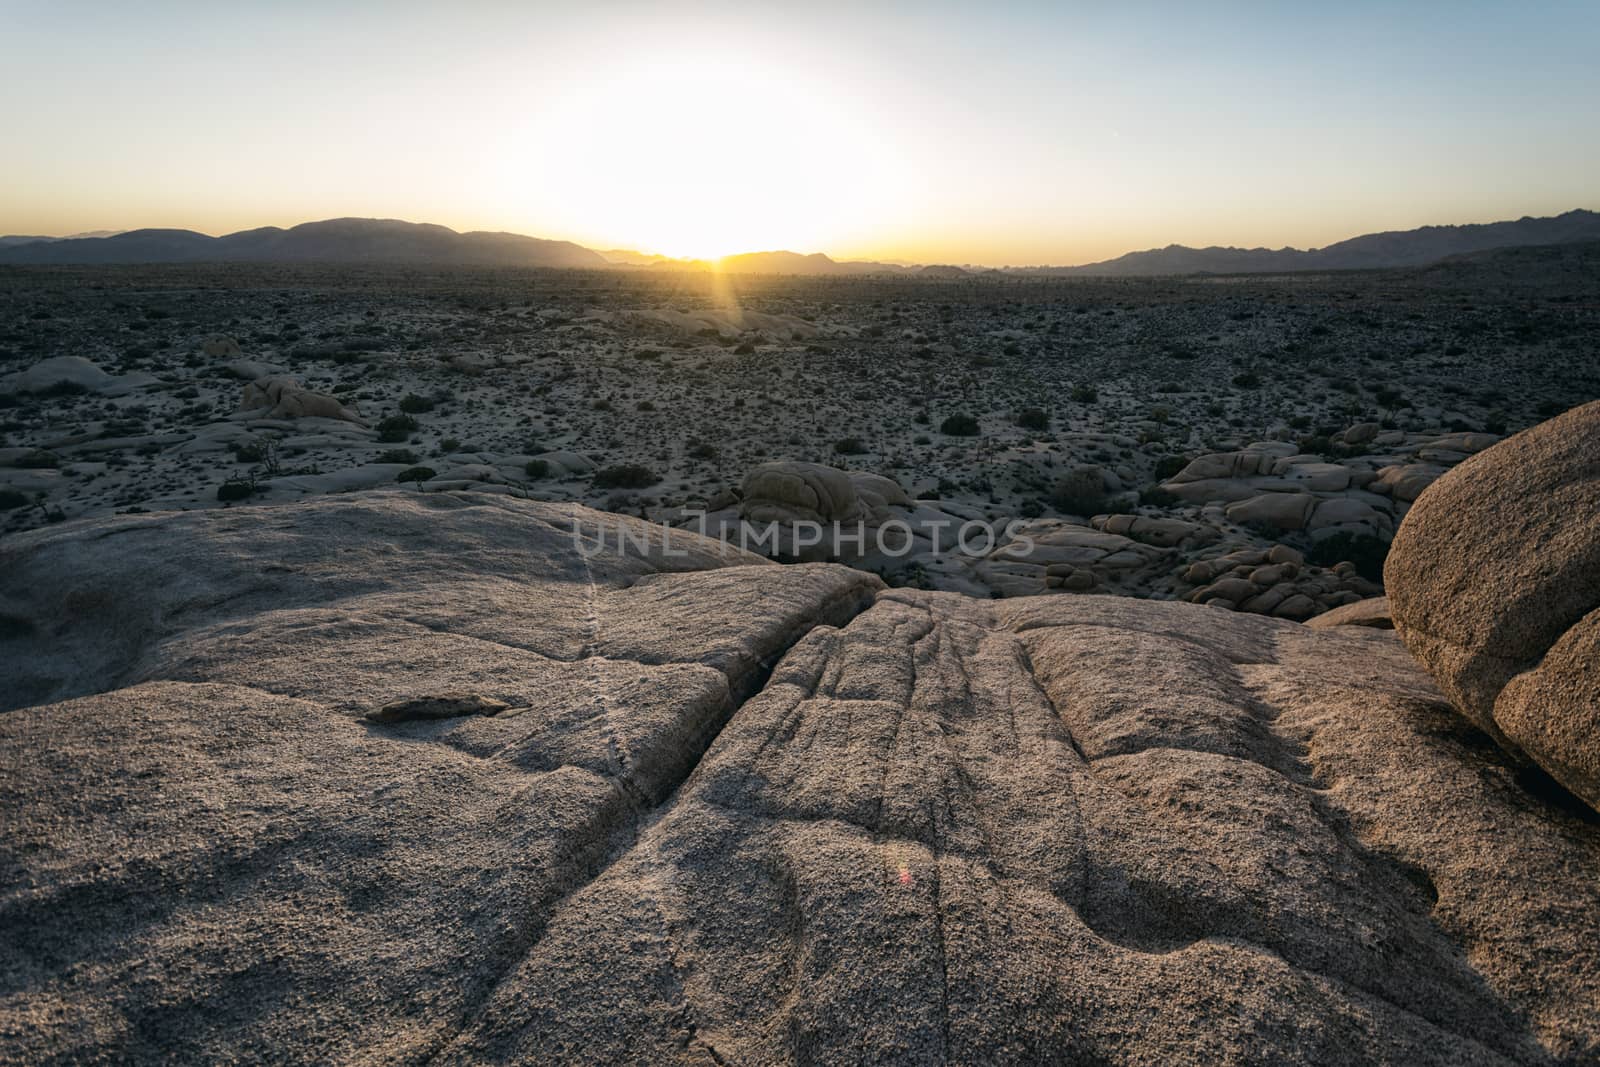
x=790, y=491
x=1407, y=481
x=1494, y=583
x=1227, y=465
x=877, y=496
x=221, y=346
x=77, y=373
x=286, y=398
x=1162, y=532
x=1286, y=511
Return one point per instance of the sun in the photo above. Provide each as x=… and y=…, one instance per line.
x=702, y=157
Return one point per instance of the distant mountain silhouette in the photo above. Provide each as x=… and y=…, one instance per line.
x=777, y=262
x=23, y=239
x=332, y=241
x=795, y=263
x=1399, y=248
x=626, y=257
x=393, y=241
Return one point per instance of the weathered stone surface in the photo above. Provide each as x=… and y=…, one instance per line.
x=223, y=860
x=1494, y=574
x=975, y=833
x=942, y=829
x=1373, y=612
x=788, y=492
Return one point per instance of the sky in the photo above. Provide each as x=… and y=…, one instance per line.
x=991, y=133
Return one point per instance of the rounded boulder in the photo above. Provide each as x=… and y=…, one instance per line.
x=1494, y=585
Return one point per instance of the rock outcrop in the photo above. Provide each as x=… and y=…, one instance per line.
x=77, y=374
x=286, y=398
x=1494, y=581
x=704, y=808
x=789, y=492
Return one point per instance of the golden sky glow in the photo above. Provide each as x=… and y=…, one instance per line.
x=975, y=133
x=703, y=154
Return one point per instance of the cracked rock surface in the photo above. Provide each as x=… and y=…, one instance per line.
x=737, y=812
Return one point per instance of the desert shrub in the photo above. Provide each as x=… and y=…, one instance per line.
x=1084, y=394
x=38, y=459
x=1080, y=491
x=237, y=488
x=536, y=468
x=1364, y=550
x=1247, y=380
x=396, y=428
x=1156, y=497
x=398, y=455
x=849, y=446
x=702, y=451
x=11, y=500
x=412, y=404
x=64, y=388
x=1033, y=419
x=449, y=445
x=959, y=426
x=415, y=474
x=644, y=405
x=1168, y=466
x=625, y=476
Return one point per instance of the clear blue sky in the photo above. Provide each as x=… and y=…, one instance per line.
x=983, y=132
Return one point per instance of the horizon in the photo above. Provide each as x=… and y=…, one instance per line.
x=692, y=260
x=1024, y=136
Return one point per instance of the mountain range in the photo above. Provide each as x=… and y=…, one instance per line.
x=353, y=240
x=1395, y=248
x=332, y=241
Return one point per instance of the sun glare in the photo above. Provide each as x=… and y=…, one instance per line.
x=703, y=157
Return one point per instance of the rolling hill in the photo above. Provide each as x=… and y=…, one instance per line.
x=331, y=241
